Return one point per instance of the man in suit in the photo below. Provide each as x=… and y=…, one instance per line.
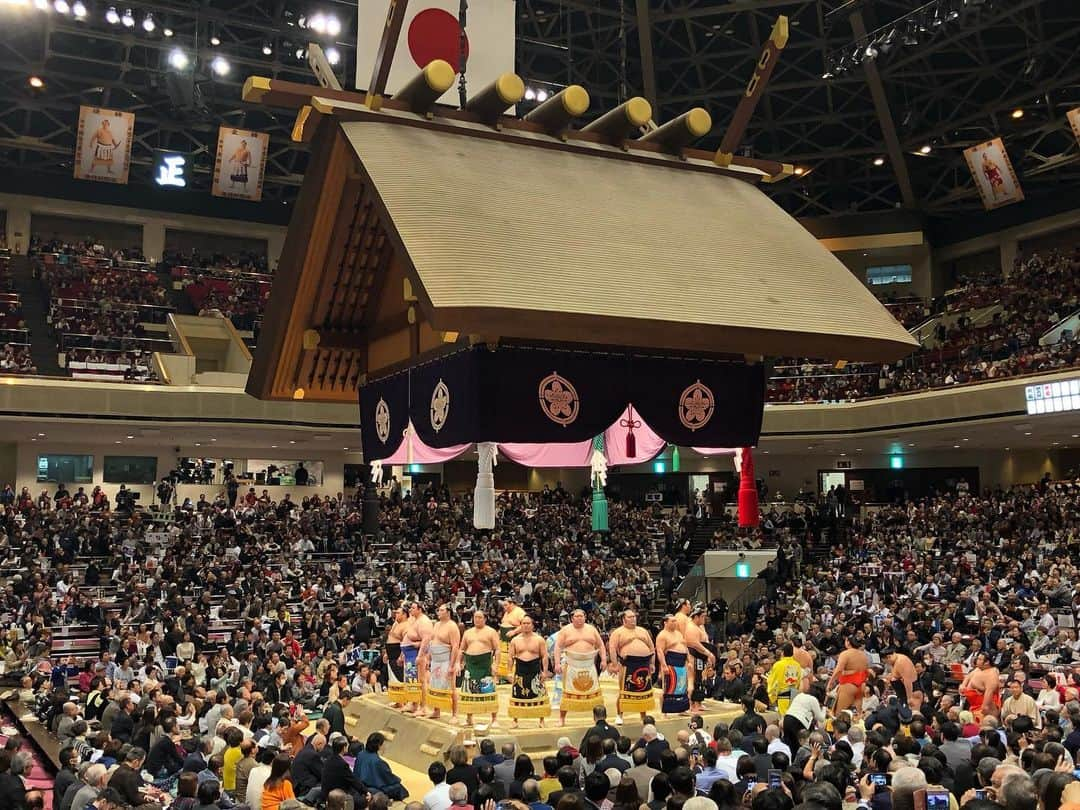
x=123, y=726
x=504, y=771
x=307, y=770
x=652, y=744
x=641, y=773
x=335, y=713
x=126, y=779
x=601, y=728
x=568, y=781
x=196, y=760
x=337, y=775
x=611, y=759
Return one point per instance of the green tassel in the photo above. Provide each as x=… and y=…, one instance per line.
x=674, y=458
x=599, y=500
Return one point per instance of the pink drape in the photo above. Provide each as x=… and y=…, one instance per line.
x=570, y=454
x=413, y=451
x=649, y=445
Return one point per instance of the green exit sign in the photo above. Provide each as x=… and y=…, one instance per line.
x=742, y=570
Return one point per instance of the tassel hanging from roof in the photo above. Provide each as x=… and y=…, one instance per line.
x=599, y=479
x=484, y=494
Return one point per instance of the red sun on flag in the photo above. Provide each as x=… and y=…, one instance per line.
x=436, y=34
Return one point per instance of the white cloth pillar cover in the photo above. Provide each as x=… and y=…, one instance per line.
x=484, y=494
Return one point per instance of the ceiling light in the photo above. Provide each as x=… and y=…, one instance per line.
x=215, y=40
x=333, y=56
x=317, y=23
x=118, y=442
x=300, y=53
x=871, y=51
x=198, y=444
x=965, y=439
x=166, y=32
x=530, y=94
x=111, y=16
x=41, y=5
x=148, y=24
x=799, y=170
x=333, y=25
x=41, y=435
x=37, y=83
x=1018, y=113
x=213, y=440
x=273, y=447
x=79, y=10
x=292, y=441
x=926, y=150
x=1028, y=433
x=267, y=49
x=220, y=65
x=61, y=6
x=178, y=60
x=344, y=448
x=879, y=161
x=128, y=19
x=130, y=437
x=542, y=96
x=911, y=34
x=956, y=447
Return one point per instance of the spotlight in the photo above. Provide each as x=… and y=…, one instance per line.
x=541, y=96
x=166, y=32
x=79, y=10
x=300, y=53
x=926, y=150
x=267, y=49
x=952, y=14
x=333, y=56
x=215, y=40
x=36, y=82
x=1018, y=113
x=220, y=65
x=148, y=24
x=828, y=74
x=302, y=22
x=871, y=51
x=530, y=94
x=128, y=19
x=178, y=60
x=41, y=5
x=333, y=25
x=911, y=34
x=888, y=41
x=879, y=161
x=317, y=23
x=799, y=171
x=62, y=7
x=938, y=20
x=111, y=16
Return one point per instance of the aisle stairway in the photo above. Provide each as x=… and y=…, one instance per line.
x=35, y=308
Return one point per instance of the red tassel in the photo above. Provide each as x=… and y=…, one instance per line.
x=631, y=445
x=749, y=513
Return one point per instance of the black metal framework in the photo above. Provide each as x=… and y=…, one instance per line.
x=954, y=89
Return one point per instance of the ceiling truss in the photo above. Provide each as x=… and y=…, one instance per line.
x=956, y=88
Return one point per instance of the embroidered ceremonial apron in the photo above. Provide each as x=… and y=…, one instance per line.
x=395, y=674
x=675, y=698
x=440, y=693
x=636, y=694
x=580, y=683
x=504, y=650
x=477, y=693
x=411, y=674
x=528, y=697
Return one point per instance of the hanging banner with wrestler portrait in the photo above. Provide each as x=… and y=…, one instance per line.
x=1074, y=122
x=103, y=145
x=993, y=173
x=240, y=164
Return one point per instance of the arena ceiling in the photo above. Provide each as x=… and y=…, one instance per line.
x=859, y=137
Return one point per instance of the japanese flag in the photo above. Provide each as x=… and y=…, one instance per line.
x=431, y=31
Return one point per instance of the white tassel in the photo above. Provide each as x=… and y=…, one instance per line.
x=599, y=467
x=484, y=494
x=376, y=471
